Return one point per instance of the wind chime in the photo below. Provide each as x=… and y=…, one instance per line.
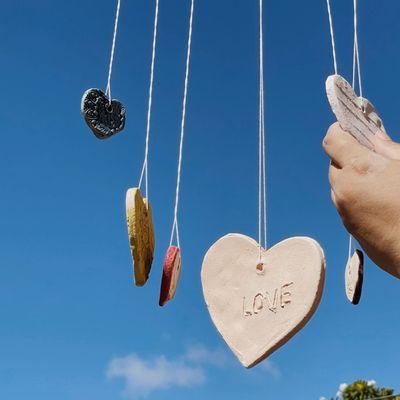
x=260, y=297
x=357, y=116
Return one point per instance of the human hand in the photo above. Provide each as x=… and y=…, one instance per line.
x=366, y=192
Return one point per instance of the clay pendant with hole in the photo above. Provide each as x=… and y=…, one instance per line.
x=103, y=118
x=355, y=115
x=141, y=234
x=354, y=276
x=258, y=305
x=171, y=274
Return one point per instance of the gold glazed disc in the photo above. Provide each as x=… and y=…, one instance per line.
x=141, y=234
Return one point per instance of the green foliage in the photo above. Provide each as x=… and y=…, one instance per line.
x=362, y=390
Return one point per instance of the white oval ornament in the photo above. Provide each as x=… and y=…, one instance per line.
x=354, y=277
x=355, y=115
x=258, y=306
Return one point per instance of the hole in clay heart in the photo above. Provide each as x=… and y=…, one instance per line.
x=109, y=108
x=260, y=267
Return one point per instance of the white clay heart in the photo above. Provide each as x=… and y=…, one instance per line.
x=258, y=306
x=355, y=115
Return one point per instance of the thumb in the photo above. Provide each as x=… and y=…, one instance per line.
x=385, y=146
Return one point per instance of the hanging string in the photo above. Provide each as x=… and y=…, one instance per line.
x=175, y=225
x=328, y=4
x=351, y=247
x=108, y=90
x=356, y=55
x=356, y=70
x=144, y=172
x=262, y=191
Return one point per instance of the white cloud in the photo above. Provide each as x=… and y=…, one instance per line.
x=371, y=383
x=343, y=387
x=271, y=368
x=144, y=376
x=200, y=354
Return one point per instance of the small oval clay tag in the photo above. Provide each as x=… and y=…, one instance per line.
x=354, y=277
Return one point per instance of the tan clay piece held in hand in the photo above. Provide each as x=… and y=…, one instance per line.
x=355, y=115
x=141, y=234
x=354, y=276
x=258, y=305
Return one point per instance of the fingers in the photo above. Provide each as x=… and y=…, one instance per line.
x=343, y=149
x=385, y=146
x=333, y=174
x=344, y=186
x=334, y=200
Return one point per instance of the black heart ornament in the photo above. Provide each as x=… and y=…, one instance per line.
x=105, y=119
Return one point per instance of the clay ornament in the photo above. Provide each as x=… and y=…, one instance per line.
x=354, y=277
x=171, y=273
x=105, y=119
x=258, y=301
x=141, y=234
x=355, y=115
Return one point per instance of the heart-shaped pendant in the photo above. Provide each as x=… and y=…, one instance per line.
x=171, y=273
x=105, y=119
x=354, y=277
x=141, y=234
x=258, y=299
x=355, y=115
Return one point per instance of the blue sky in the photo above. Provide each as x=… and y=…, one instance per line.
x=73, y=325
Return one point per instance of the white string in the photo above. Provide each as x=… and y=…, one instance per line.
x=175, y=225
x=356, y=69
x=262, y=191
x=328, y=4
x=108, y=90
x=144, y=172
x=356, y=55
x=355, y=60
x=351, y=247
